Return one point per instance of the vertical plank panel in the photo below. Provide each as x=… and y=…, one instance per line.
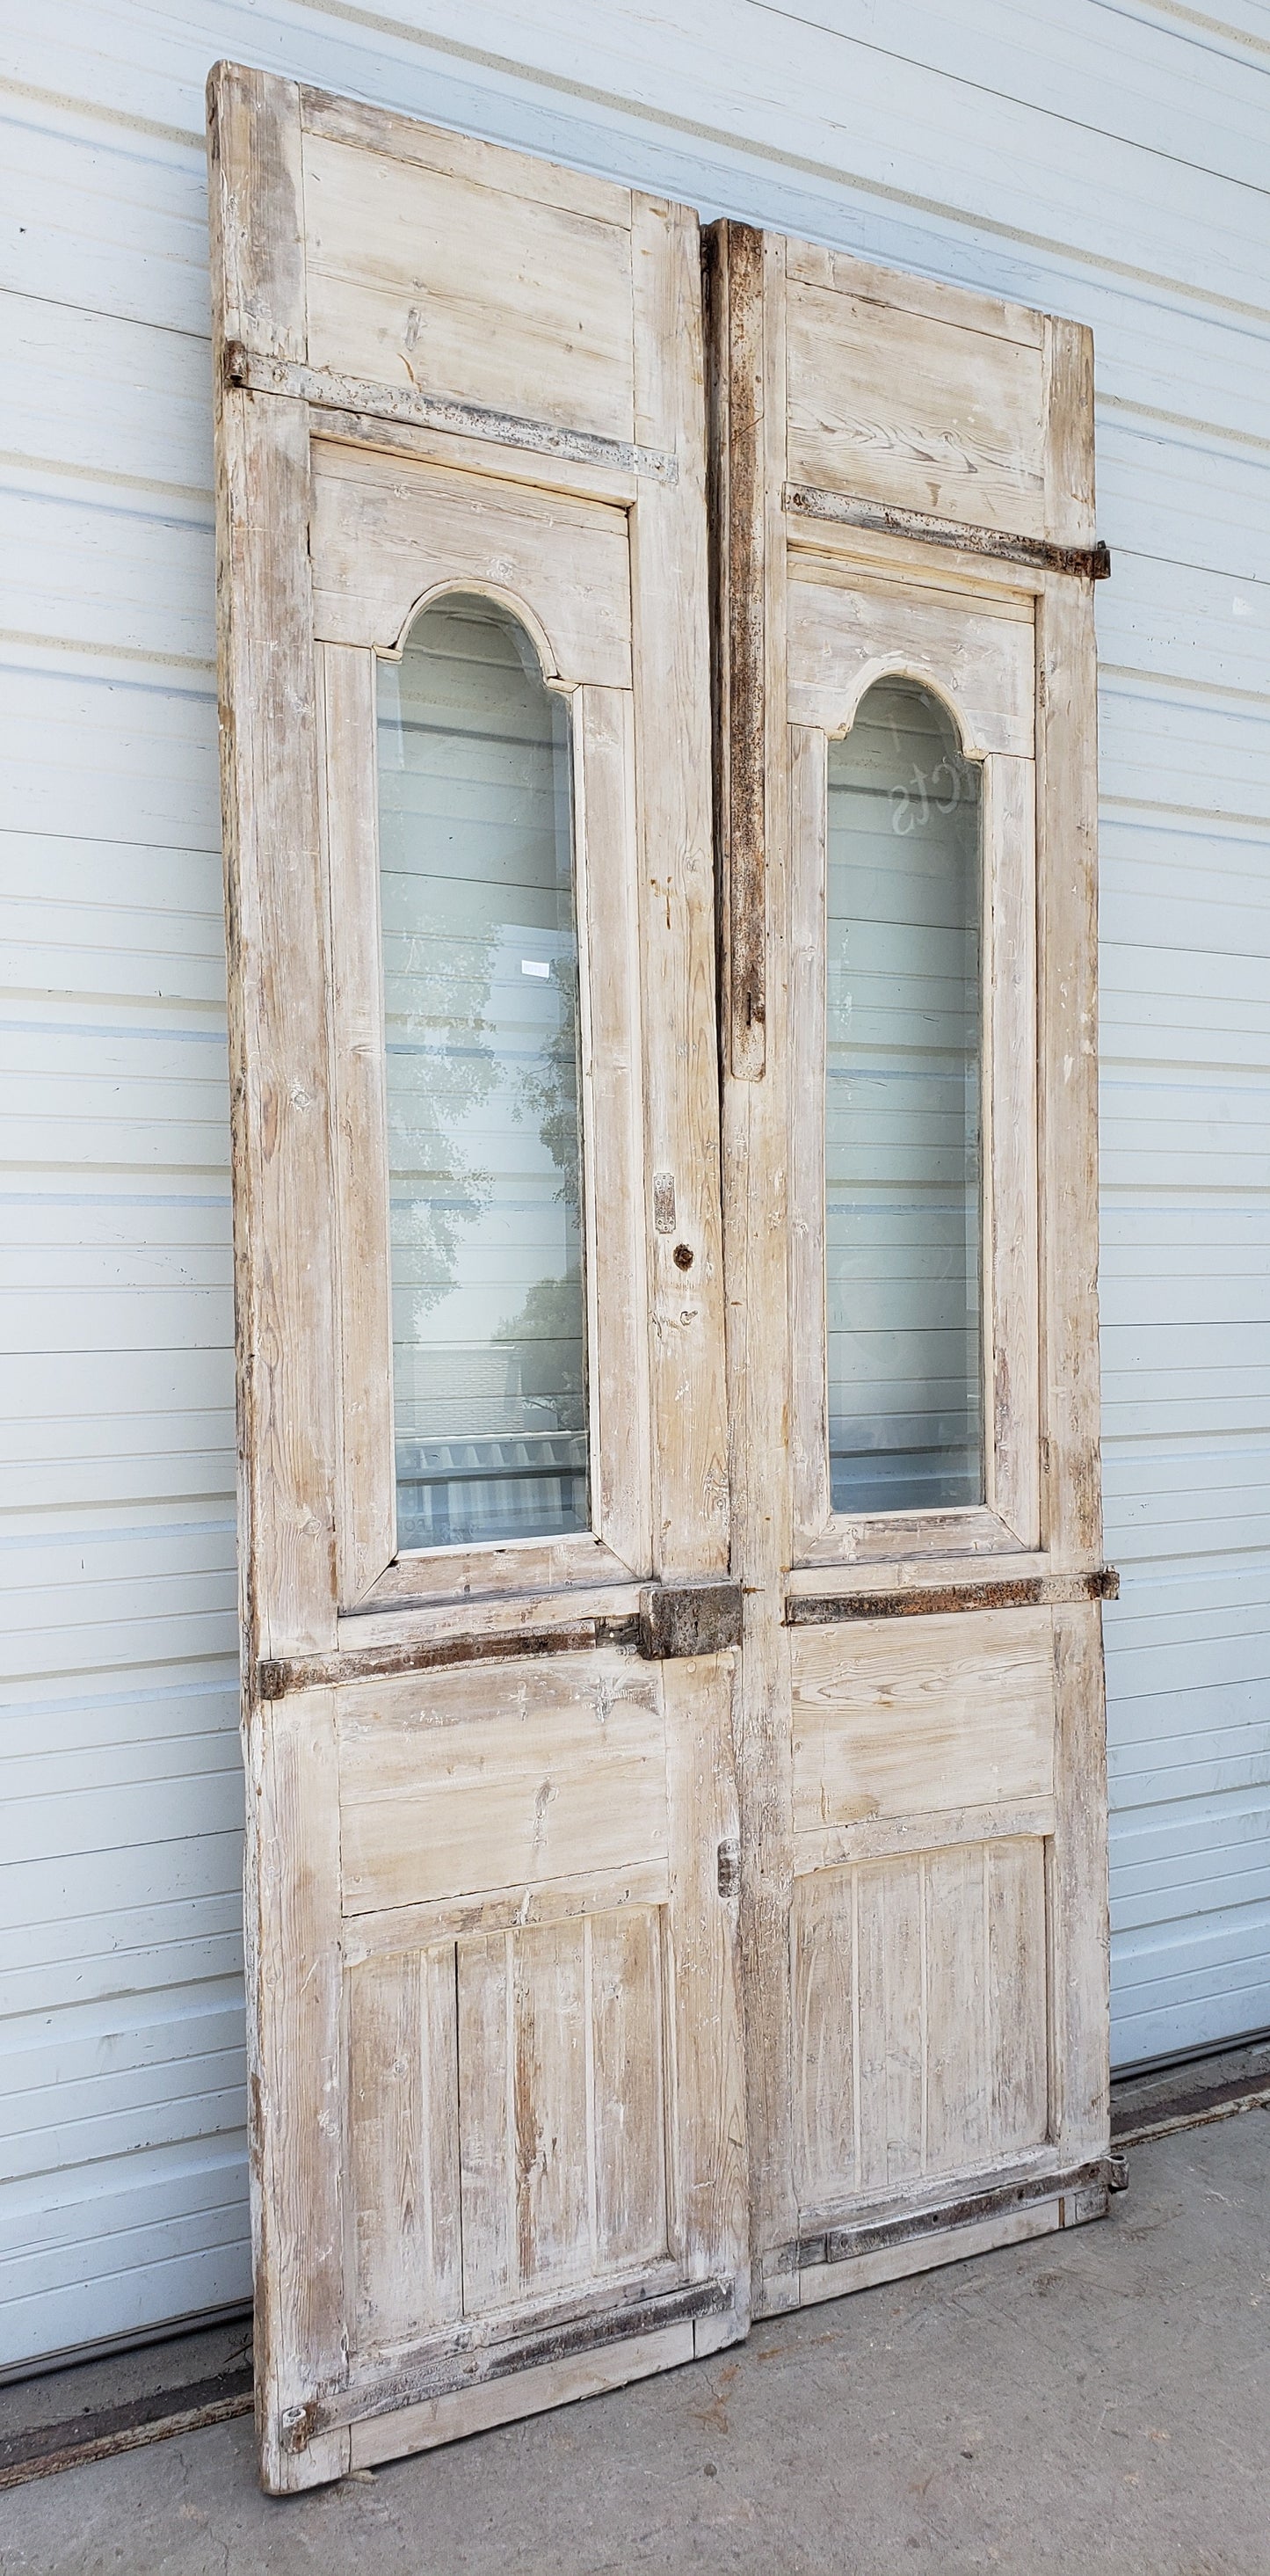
x=824, y=2038
x=672, y=736
x=403, y=2145
x=892, y=2026
x=549, y=2102
x=628, y=2121
x=1017, y=1980
x=956, y=2121
x=486, y=2181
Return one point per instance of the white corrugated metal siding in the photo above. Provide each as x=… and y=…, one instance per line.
x=1107, y=161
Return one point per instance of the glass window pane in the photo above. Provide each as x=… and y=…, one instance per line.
x=481, y=998
x=902, y=1109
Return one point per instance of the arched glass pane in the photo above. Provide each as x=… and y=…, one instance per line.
x=481, y=996
x=902, y=1110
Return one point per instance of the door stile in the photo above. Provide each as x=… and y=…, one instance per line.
x=295, y=2031
x=745, y=319
x=616, y=1275
x=366, y=1533
x=672, y=743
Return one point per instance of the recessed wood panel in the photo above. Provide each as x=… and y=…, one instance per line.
x=561, y=2112
x=507, y=1776
x=896, y=406
x=919, y=1992
x=843, y=630
x=451, y=282
x=402, y=2218
x=385, y=531
x=908, y=1716
x=506, y=2111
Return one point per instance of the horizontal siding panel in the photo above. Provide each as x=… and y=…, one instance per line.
x=148, y=426
x=108, y=754
x=103, y=566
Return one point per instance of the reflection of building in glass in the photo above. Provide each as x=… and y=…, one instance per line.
x=480, y=967
x=902, y=1140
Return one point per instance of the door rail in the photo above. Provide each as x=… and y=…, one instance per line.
x=674, y=1620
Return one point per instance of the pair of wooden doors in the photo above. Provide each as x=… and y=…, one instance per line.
x=667, y=1365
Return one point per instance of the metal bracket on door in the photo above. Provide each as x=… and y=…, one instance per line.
x=677, y=1619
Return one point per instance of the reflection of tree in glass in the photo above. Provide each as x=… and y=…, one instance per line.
x=547, y=1337
x=550, y=1093
x=438, y=1015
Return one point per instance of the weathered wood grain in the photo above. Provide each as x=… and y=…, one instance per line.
x=296, y=2090
x=468, y=287
x=747, y=410
x=842, y=638
x=910, y=1716
x=898, y=405
x=1067, y=808
x=677, y=930
x=402, y=2193
x=1009, y=1115
x=387, y=533
x=365, y=1498
x=256, y=210
x=520, y=2393
x=478, y=1779
x=615, y=1269
x=284, y=1254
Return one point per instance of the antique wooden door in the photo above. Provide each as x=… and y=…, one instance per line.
x=489, y=1635
x=903, y=496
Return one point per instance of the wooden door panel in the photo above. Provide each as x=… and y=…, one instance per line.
x=841, y=638
x=388, y=531
x=920, y=2015
x=905, y=479
x=911, y=406
x=562, y=2112
x=509, y=1776
x=896, y=1718
x=445, y=272
x=403, y=2224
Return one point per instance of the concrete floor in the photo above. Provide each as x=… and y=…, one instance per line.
x=1099, y=2400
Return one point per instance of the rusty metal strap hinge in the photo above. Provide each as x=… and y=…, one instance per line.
x=1006, y=1592
x=359, y=398
x=673, y=1620
x=880, y=518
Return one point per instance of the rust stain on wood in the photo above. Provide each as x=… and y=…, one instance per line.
x=844, y=510
x=1020, y=1592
